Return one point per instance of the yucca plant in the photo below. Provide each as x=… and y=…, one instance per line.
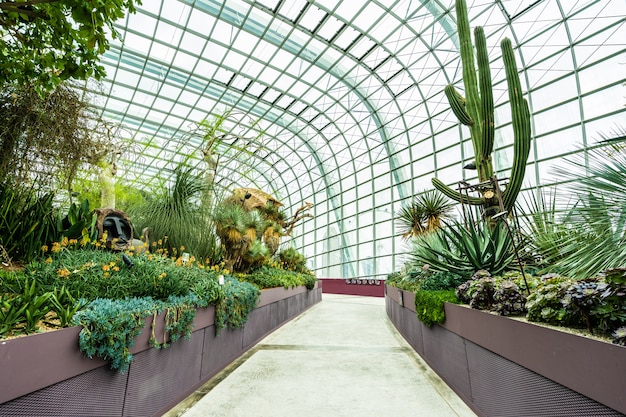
x=424, y=214
x=465, y=248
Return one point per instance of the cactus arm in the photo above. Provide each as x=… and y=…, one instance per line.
x=457, y=104
x=470, y=82
x=455, y=195
x=486, y=94
x=521, y=126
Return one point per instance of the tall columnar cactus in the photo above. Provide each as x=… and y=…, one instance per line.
x=476, y=111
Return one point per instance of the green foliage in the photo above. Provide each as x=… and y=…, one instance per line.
x=23, y=308
x=44, y=43
x=460, y=249
x=499, y=294
x=441, y=280
x=46, y=140
x=176, y=218
x=79, y=222
x=93, y=273
x=65, y=306
x=240, y=298
x=424, y=214
x=292, y=260
x=596, y=221
x=429, y=305
x=270, y=277
x=545, y=303
x=27, y=221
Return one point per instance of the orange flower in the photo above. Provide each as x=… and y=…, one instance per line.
x=56, y=247
x=64, y=273
x=116, y=268
x=106, y=267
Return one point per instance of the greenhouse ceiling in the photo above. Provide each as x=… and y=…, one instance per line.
x=341, y=104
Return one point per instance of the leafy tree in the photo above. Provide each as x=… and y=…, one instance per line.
x=44, y=42
x=48, y=139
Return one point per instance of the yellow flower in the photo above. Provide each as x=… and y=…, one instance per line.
x=160, y=242
x=56, y=247
x=179, y=262
x=106, y=267
x=111, y=263
x=49, y=260
x=106, y=274
x=73, y=241
x=116, y=268
x=182, y=248
x=84, y=241
x=64, y=241
x=63, y=272
x=163, y=275
x=44, y=248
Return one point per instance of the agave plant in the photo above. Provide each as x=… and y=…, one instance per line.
x=424, y=214
x=465, y=248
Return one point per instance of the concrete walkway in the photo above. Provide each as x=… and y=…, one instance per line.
x=340, y=358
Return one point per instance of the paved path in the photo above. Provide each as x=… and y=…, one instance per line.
x=340, y=358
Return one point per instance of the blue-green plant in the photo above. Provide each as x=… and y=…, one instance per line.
x=110, y=327
x=239, y=299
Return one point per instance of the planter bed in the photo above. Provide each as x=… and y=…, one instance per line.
x=47, y=374
x=505, y=367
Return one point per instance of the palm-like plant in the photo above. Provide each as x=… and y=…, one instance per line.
x=596, y=238
x=424, y=214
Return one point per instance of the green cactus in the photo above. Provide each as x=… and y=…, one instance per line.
x=476, y=112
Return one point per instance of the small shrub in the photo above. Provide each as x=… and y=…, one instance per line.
x=545, y=303
x=292, y=260
x=429, y=305
x=508, y=300
x=441, y=281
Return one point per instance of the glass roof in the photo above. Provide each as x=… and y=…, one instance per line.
x=341, y=104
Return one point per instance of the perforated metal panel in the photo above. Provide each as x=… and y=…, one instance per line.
x=504, y=389
x=445, y=351
x=97, y=393
x=156, y=376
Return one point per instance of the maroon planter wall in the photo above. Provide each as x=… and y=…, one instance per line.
x=46, y=374
x=504, y=367
x=365, y=287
